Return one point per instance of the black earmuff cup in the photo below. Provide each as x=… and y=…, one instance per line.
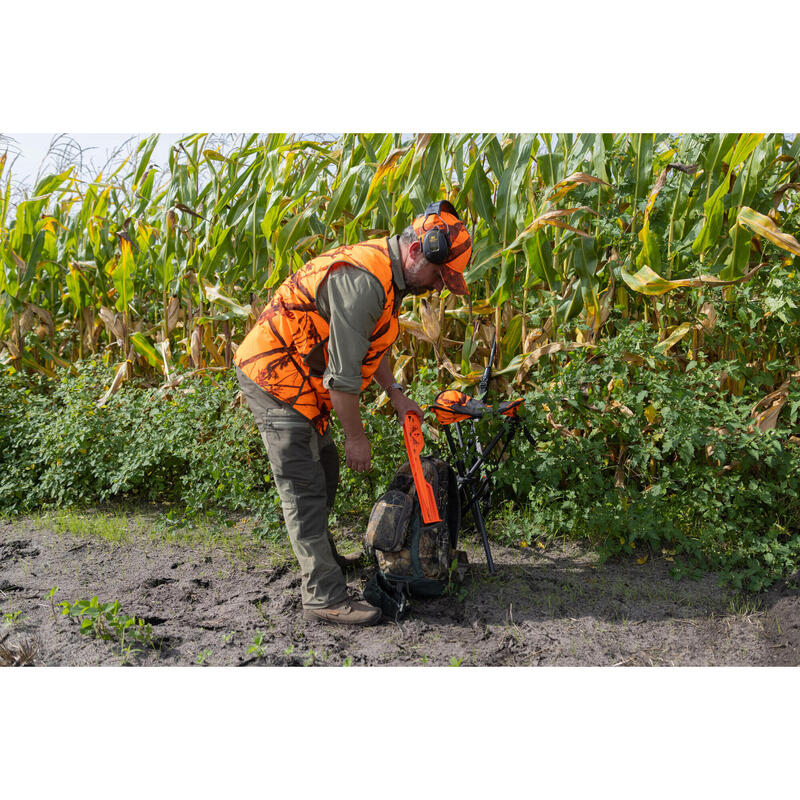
x=436, y=246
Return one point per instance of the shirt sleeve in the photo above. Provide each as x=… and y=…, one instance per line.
x=355, y=301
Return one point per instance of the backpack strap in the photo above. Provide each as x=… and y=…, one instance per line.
x=413, y=549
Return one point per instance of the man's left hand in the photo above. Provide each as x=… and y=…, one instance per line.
x=402, y=405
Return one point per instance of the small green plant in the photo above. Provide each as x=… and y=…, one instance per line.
x=455, y=661
x=226, y=637
x=107, y=621
x=289, y=650
x=256, y=648
x=454, y=585
x=202, y=656
x=50, y=596
x=10, y=617
x=424, y=659
x=348, y=662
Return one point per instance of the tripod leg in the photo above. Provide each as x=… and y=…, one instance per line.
x=476, y=513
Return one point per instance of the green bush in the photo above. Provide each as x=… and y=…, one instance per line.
x=191, y=446
x=649, y=456
x=652, y=458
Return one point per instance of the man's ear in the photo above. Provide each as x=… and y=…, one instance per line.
x=414, y=249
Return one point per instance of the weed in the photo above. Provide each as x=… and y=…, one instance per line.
x=455, y=661
x=454, y=586
x=202, y=656
x=50, y=596
x=289, y=650
x=20, y=654
x=348, y=662
x=106, y=621
x=256, y=648
x=111, y=527
x=743, y=605
x=424, y=659
x=10, y=617
x=311, y=658
x=227, y=637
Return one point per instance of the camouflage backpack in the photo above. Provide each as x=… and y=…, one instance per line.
x=414, y=559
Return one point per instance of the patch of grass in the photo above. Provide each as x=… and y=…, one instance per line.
x=743, y=605
x=112, y=527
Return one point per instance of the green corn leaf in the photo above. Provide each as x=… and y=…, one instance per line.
x=145, y=151
x=122, y=275
x=143, y=347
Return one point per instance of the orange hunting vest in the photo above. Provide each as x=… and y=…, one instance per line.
x=286, y=351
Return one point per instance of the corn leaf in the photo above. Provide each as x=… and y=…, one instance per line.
x=143, y=347
x=763, y=226
x=674, y=337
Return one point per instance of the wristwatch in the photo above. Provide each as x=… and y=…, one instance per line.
x=394, y=385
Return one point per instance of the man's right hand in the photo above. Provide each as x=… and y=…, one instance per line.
x=357, y=453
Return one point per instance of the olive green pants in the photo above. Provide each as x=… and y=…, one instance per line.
x=305, y=468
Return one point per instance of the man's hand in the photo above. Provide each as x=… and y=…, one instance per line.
x=357, y=452
x=402, y=405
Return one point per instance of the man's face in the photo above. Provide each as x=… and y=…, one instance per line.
x=423, y=276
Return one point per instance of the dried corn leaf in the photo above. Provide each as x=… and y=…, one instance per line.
x=430, y=321
x=195, y=346
x=44, y=316
x=112, y=321
x=570, y=182
x=647, y=281
x=765, y=412
x=551, y=217
x=120, y=375
x=763, y=226
x=173, y=309
x=711, y=316
x=213, y=294
x=211, y=346
x=165, y=355
x=673, y=338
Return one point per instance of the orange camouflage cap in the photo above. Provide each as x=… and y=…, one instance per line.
x=457, y=250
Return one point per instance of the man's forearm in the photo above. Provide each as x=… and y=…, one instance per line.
x=347, y=409
x=384, y=375
x=357, y=451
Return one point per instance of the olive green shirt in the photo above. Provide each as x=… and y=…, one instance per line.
x=351, y=301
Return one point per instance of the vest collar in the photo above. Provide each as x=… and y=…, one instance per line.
x=399, y=280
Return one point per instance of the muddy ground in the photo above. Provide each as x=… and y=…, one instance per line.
x=226, y=599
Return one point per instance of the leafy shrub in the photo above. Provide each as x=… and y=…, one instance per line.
x=192, y=446
x=647, y=457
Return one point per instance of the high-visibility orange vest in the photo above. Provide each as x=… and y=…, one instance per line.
x=286, y=351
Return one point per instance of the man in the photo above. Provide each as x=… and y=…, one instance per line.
x=323, y=337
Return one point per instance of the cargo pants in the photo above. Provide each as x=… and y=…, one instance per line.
x=305, y=468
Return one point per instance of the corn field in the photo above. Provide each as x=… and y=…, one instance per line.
x=160, y=272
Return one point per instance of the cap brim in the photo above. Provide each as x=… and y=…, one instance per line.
x=454, y=280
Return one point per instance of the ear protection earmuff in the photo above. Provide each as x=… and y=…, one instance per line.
x=436, y=242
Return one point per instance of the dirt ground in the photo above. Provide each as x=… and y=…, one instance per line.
x=229, y=600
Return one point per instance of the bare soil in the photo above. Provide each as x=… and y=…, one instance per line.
x=234, y=602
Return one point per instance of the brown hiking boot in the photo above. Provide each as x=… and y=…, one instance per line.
x=349, y=612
